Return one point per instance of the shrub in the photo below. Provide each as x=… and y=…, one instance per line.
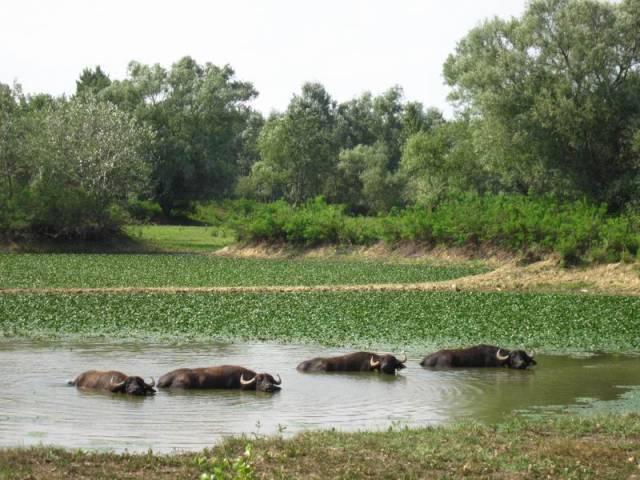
x=579, y=231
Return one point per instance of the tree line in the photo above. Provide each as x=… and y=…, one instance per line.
x=547, y=104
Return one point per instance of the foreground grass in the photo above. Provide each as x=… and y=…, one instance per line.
x=405, y=319
x=565, y=447
x=166, y=270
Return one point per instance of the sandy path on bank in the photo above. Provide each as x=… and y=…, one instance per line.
x=544, y=276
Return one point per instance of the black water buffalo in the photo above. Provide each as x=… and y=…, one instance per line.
x=225, y=376
x=114, y=381
x=354, y=362
x=479, y=356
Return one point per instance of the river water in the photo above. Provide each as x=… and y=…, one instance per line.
x=37, y=406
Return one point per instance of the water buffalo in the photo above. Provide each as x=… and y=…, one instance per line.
x=479, y=356
x=114, y=381
x=225, y=376
x=354, y=362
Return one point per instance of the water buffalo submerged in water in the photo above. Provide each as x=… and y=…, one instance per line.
x=479, y=356
x=114, y=381
x=225, y=376
x=354, y=362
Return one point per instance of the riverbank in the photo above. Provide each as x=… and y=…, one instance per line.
x=563, y=447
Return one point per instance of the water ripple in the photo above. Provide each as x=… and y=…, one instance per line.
x=37, y=406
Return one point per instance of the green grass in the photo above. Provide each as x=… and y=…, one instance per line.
x=181, y=238
x=564, y=447
x=413, y=320
x=166, y=270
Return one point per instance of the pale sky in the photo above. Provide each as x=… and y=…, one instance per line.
x=350, y=46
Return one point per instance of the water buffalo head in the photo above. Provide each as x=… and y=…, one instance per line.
x=133, y=386
x=518, y=359
x=387, y=363
x=262, y=382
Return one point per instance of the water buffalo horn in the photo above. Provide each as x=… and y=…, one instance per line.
x=404, y=358
x=279, y=379
x=152, y=384
x=501, y=357
x=374, y=364
x=532, y=354
x=116, y=384
x=247, y=382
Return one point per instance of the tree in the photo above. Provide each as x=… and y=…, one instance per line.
x=387, y=126
x=558, y=95
x=90, y=159
x=20, y=121
x=299, y=148
x=249, y=153
x=365, y=183
x=199, y=114
x=440, y=163
x=355, y=122
x=10, y=132
x=415, y=120
x=92, y=82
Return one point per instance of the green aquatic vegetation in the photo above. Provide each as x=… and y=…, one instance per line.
x=180, y=270
x=412, y=320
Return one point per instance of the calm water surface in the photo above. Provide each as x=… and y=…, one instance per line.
x=36, y=405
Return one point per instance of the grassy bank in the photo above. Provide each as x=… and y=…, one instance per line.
x=157, y=270
x=558, y=322
x=564, y=447
x=181, y=238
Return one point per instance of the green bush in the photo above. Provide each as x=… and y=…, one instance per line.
x=579, y=231
x=143, y=211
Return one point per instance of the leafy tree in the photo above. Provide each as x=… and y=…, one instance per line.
x=20, y=120
x=91, y=82
x=388, y=124
x=369, y=130
x=9, y=139
x=355, y=122
x=90, y=159
x=249, y=153
x=416, y=119
x=199, y=114
x=365, y=182
x=299, y=148
x=441, y=163
x=558, y=95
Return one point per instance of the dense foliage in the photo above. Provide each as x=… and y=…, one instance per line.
x=579, y=231
x=69, y=167
x=413, y=320
x=547, y=104
x=199, y=113
x=557, y=95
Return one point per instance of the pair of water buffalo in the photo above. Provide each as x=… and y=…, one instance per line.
x=478, y=356
x=225, y=376
x=234, y=377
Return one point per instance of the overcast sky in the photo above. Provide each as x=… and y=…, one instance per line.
x=350, y=46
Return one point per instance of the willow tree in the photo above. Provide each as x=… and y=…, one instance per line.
x=557, y=92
